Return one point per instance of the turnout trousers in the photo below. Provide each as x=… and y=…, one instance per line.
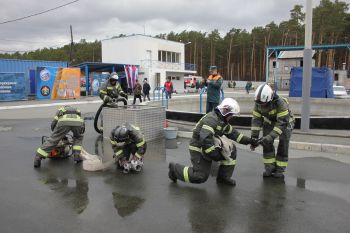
x=211, y=106
x=201, y=165
x=279, y=161
x=60, y=132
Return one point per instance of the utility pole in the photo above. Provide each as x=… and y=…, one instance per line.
x=71, y=45
x=307, y=69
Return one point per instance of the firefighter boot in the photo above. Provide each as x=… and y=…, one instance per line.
x=76, y=157
x=269, y=170
x=279, y=173
x=171, y=173
x=224, y=175
x=37, y=160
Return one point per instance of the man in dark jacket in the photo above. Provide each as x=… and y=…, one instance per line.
x=137, y=91
x=214, y=83
x=146, y=88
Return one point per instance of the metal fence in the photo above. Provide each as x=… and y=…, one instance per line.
x=151, y=120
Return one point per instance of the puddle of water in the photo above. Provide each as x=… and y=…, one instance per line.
x=171, y=144
x=339, y=190
x=126, y=205
x=73, y=192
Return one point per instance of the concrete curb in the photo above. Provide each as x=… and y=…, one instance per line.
x=308, y=146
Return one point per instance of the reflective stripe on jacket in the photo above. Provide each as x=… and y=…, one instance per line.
x=277, y=114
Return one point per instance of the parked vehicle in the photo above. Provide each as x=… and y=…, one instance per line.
x=190, y=81
x=339, y=92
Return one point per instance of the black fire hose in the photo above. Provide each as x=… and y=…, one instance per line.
x=113, y=104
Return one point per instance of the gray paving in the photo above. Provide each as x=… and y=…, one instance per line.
x=60, y=197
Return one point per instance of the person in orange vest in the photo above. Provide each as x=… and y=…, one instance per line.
x=168, y=85
x=214, y=83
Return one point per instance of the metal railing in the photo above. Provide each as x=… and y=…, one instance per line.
x=167, y=65
x=161, y=89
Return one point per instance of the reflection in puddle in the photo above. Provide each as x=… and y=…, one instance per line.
x=74, y=192
x=126, y=205
x=339, y=190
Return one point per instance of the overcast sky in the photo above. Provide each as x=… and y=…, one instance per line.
x=102, y=19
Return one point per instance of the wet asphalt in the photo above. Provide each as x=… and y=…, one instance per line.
x=61, y=197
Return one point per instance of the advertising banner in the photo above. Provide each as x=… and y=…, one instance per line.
x=57, y=83
x=12, y=87
x=97, y=81
x=131, y=73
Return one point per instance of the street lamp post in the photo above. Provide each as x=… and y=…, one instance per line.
x=307, y=70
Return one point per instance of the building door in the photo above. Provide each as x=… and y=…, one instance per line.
x=157, y=80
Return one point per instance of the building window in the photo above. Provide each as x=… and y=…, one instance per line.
x=336, y=77
x=163, y=56
x=177, y=78
x=168, y=56
x=274, y=64
x=301, y=63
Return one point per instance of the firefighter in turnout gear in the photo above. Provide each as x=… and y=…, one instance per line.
x=271, y=114
x=67, y=119
x=203, y=149
x=111, y=89
x=128, y=144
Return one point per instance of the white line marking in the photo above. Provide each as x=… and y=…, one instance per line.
x=49, y=105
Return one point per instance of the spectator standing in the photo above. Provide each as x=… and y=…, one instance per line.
x=146, y=89
x=169, y=88
x=137, y=91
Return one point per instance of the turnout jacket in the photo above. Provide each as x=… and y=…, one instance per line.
x=207, y=128
x=67, y=116
x=112, y=91
x=276, y=114
x=135, y=137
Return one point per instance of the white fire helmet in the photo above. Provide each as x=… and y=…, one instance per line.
x=263, y=94
x=114, y=76
x=229, y=107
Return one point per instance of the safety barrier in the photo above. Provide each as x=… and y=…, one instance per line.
x=204, y=89
x=161, y=89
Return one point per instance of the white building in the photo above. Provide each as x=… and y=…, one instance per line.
x=280, y=67
x=158, y=58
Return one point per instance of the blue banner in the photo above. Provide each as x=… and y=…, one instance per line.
x=45, y=80
x=32, y=81
x=97, y=81
x=13, y=86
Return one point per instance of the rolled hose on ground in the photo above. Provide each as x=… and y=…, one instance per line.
x=113, y=104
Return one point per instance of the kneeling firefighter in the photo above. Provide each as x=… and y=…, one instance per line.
x=272, y=114
x=203, y=149
x=111, y=90
x=129, y=147
x=67, y=119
